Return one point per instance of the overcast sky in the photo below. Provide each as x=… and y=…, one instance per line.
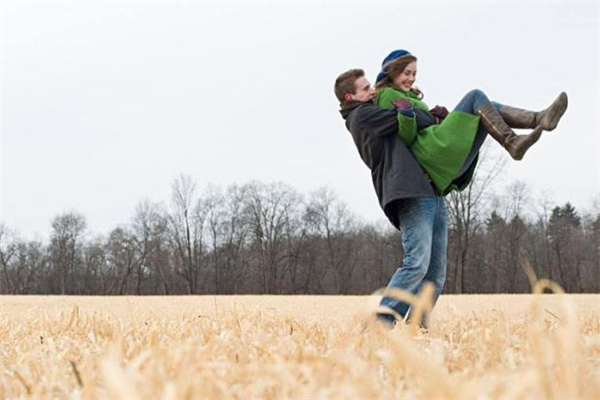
x=106, y=103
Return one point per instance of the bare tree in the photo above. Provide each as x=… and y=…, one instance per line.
x=566, y=238
x=236, y=234
x=332, y=220
x=148, y=230
x=543, y=218
x=216, y=215
x=188, y=221
x=465, y=209
x=67, y=231
x=270, y=211
x=121, y=257
x=8, y=249
x=21, y=262
x=516, y=200
x=227, y=235
x=95, y=264
x=264, y=238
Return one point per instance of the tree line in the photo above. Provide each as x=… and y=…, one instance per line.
x=267, y=238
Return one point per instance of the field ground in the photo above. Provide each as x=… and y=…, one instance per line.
x=478, y=346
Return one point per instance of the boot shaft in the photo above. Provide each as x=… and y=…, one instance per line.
x=524, y=119
x=518, y=118
x=493, y=122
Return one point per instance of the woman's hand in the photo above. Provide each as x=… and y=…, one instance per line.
x=402, y=104
x=439, y=112
x=404, y=107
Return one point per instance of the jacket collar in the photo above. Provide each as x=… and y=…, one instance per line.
x=348, y=107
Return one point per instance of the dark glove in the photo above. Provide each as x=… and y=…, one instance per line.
x=404, y=107
x=439, y=112
x=402, y=104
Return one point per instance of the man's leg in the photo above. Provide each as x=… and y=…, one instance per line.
x=436, y=273
x=416, y=218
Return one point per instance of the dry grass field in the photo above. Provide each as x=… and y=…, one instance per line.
x=308, y=347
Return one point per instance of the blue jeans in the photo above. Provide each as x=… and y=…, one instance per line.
x=470, y=103
x=424, y=228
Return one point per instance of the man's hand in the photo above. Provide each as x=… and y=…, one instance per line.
x=439, y=112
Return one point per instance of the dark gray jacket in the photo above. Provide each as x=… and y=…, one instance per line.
x=395, y=172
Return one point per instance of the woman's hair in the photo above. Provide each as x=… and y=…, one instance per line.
x=395, y=68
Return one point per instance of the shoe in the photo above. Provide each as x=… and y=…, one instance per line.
x=388, y=320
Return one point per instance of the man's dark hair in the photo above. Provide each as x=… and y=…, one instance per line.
x=345, y=83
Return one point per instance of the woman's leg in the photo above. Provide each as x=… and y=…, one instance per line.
x=472, y=101
x=477, y=143
x=469, y=103
x=476, y=102
x=548, y=118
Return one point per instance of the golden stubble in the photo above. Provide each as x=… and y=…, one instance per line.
x=305, y=347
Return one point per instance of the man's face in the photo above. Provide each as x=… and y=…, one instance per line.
x=364, y=91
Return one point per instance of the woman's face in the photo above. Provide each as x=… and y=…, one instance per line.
x=407, y=78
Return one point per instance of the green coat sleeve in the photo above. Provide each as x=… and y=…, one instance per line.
x=407, y=126
x=407, y=129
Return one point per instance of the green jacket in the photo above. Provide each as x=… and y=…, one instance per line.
x=442, y=149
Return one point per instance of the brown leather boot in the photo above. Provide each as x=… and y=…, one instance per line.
x=548, y=118
x=494, y=124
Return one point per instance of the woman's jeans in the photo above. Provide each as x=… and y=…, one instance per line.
x=470, y=104
x=424, y=228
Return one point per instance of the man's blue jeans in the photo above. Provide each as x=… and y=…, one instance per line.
x=424, y=228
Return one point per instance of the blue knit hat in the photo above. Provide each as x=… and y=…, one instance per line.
x=391, y=57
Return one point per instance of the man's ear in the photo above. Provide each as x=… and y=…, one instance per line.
x=347, y=97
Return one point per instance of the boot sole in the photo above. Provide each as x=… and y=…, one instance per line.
x=562, y=102
x=533, y=137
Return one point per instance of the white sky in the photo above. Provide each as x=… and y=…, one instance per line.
x=105, y=103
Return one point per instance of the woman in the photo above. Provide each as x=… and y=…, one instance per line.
x=447, y=148
x=446, y=145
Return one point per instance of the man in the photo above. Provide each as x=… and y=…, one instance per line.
x=404, y=191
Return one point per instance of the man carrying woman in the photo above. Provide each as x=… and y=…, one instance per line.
x=418, y=155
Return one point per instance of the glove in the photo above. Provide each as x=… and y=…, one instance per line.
x=439, y=112
x=404, y=107
x=402, y=104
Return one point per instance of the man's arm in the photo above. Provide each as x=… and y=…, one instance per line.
x=424, y=119
x=376, y=121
